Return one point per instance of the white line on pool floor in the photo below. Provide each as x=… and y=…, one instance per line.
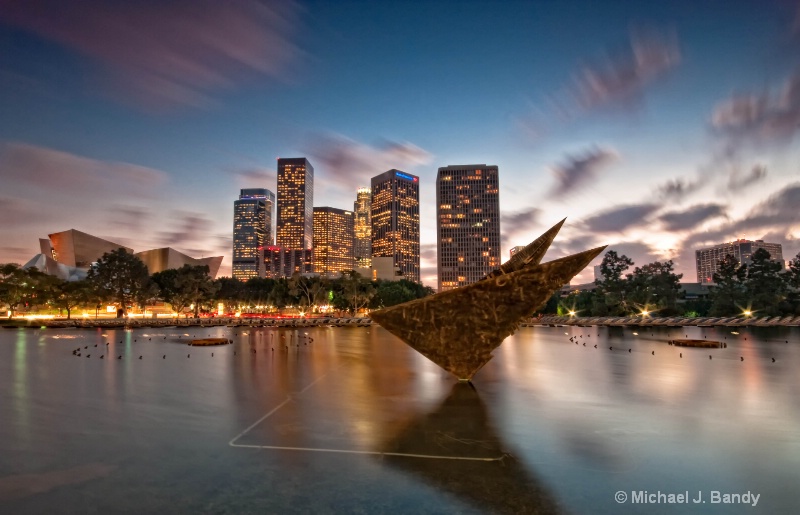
x=271, y=412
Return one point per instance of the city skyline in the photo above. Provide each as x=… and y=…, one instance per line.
x=663, y=129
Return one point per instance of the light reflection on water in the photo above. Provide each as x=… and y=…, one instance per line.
x=576, y=423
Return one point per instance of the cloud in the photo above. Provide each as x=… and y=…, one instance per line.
x=692, y=217
x=762, y=117
x=780, y=209
x=676, y=189
x=578, y=170
x=428, y=251
x=130, y=219
x=775, y=215
x=257, y=178
x=18, y=212
x=736, y=182
x=622, y=76
x=618, y=78
x=50, y=169
x=190, y=228
x=519, y=221
x=620, y=218
x=640, y=253
x=350, y=164
x=176, y=52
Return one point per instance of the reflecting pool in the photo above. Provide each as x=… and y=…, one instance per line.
x=332, y=420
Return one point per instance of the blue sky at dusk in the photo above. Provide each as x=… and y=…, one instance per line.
x=655, y=128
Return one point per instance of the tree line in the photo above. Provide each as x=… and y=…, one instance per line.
x=122, y=279
x=761, y=288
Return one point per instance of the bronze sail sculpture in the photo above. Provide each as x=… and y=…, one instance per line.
x=458, y=329
x=531, y=254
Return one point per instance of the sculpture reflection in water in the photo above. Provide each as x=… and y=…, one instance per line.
x=458, y=329
x=471, y=461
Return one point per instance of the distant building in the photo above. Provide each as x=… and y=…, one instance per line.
x=279, y=262
x=362, y=226
x=395, y=220
x=467, y=223
x=382, y=268
x=333, y=241
x=252, y=231
x=77, y=249
x=69, y=255
x=516, y=249
x=158, y=260
x=707, y=259
x=295, y=223
x=598, y=273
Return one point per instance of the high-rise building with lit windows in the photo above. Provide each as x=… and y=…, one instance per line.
x=362, y=227
x=467, y=224
x=252, y=231
x=279, y=262
x=333, y=241
x=707, y=259
x=395, y=220
x=295, y=204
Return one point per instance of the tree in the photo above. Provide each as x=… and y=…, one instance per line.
x=611, y=289
x=20, y=287
x=764, y=286
x=655, y=286
x=310, y=291
x=353, y=292
x=186, y=286
x=792, y=279
x=728, y=292
x=68, y=295
x=391, y=293
x=120, y=277
x=230, y=291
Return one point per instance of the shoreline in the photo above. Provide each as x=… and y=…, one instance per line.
x=550, y=320
x=639, y=321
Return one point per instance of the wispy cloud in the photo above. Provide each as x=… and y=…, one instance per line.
x=737, y=182
x=45, y=168
x=692, y=217
x=675, y=189
x=622, y=76
x=348, y=164
x=620, y=218
x=518, y=221
x=760, y=117
x=257, y=177
x=171, y=52
x=579, y=169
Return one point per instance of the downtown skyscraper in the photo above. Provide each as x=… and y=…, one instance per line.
x=362, y=227
x=333, y=241
x=295, y=204
x=467, y=224
x=395, y=220
x=252, y=231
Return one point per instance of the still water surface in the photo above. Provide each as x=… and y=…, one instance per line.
x=333, y=420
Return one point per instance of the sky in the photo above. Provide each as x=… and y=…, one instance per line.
x=654, y=127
